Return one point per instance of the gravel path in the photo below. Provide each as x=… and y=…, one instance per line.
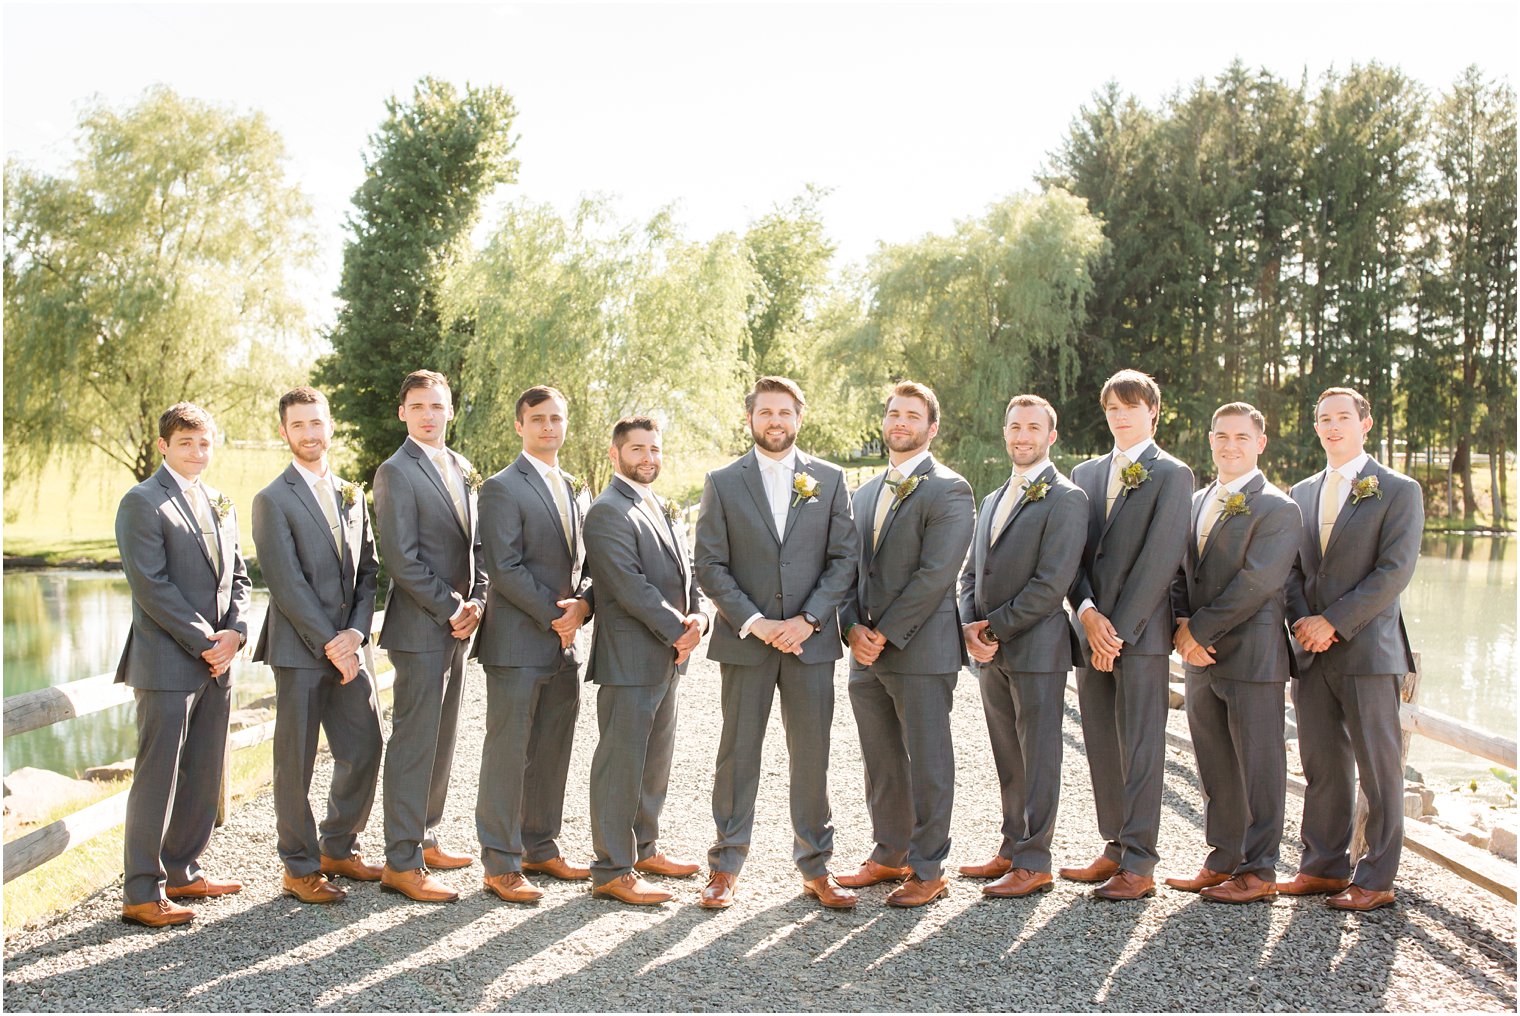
x=1446, y=946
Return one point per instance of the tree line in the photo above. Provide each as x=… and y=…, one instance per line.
x=1246, y=237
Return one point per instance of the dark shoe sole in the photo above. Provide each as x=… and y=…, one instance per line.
x=1269, y=897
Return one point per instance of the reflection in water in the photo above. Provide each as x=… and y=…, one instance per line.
x=63, y=626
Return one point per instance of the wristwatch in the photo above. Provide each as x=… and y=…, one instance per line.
x=988, y=635
x=810, y=619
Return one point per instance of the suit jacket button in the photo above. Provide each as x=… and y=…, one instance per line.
x=778, y=596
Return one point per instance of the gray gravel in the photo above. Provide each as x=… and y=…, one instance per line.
x=1446, y=946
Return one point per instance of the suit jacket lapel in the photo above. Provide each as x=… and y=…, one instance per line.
x=430, y=470
x=794, y=505
x=172, y=488
x=541, y=488
x=756, y=484
x=1349, y=506
x=308, y=498
x=1146, y=458
x=1251, y=488
x=923, y=469
x=1046, y=476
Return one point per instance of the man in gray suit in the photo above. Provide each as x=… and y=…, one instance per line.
x=1362, y=526
x=1025, y=555
x=530, y=532
x=1227, y=603
x=776, y=553
x=1138, y=498
x=914, y=522
x=317, y=553
x=425, y=515
x=178, y=539
x=648, y=620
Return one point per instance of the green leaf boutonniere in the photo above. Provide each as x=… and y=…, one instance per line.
x=673, y=511
x=222, y=505
x=805, y=486
x=1132, y=476
x=578, y=488
x=1037, y=491
x=473, y=479
x=903, y=488
x=1367, y=486
x=1235, y=504
x=352, y=492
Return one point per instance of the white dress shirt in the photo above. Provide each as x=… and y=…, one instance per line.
x=777, y=476
x=1233, y=487
x=312, y=479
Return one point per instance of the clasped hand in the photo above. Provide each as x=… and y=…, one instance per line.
x=224, y=646
x=1104, y=640
x=1315, y=633
x=1189, y=648
x=786, y=636
x=468, y=620
x=568, y=623
x=689, y=638
x=866, y=644
x=977, y=647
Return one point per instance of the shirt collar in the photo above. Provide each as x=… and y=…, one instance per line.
x=427, y=451
x=1236, y=486
x=787, y=462
x=312, y=479
x=544, y=469
x=1033, y=471
x=910, y=467
x=1352, y=469
x=639, y=489
x=185, y=483
x=1134, y=452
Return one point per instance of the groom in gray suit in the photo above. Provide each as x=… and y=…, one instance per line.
x=914, y=522
x=1138, y=498
x=426, y=518
x=649, y=618
x=179, y=548
x=530, y=526
x=1025, y=555
x=776, y=553
x=1227, y=602
x=1362, y=526
x=317, y=553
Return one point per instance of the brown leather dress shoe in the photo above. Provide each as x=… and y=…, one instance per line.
x=513, y=888
x=203, y=887
x=1247, y=887
x=418, y=885
x=871, y=873
x=1126, y=885
x=156, y=914
x=1312, y=885
x=1020, y=882
x=629, y=888
x=1361, y=900
x=718, y=894
x=1205, y=878
x=353, y=866
x=659, y=864
x=995, y=868
x=557, y=867
x=915, y=892
x=1099, y=871
x=441, y=860
x=313, y=888
x=826, y=890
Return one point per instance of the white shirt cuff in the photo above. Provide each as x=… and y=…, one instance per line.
x=1085, y=606
x=458, y=612
x=744, y=631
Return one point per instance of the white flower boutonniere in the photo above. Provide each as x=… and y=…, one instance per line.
x=473, y=480
x=805, y=486
x=578, y=488
x=673, y=511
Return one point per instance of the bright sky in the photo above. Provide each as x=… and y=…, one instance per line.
x=915, y=116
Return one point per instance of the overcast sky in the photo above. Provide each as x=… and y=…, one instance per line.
x=915, y=116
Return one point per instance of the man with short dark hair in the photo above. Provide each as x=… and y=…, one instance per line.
x=1362, y=526
x=425, y=514
x=317, y=552
x=178, y=539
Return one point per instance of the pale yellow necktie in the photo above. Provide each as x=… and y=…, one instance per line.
x=205, y=517
x=451, y=484
x=1016, y=486
x=324, y=492
x=657, y=516
x=1116, y=482
x=884, y=503
x=561, y=501
x=1329, y=507
x=1210, y=518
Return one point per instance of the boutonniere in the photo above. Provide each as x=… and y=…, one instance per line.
x=1037, y=491
x=903, y=488
x=805, y=486
x=1235, y=504
x=352, y=492
x=1132, y=476
x=223, y=505
x=473, y=480
x=1367, y=486
x=673, y=511
x=578, y=488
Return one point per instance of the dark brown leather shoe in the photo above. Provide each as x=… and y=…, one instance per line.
x=203, y=887
x=441, y=860
x=418, y=885
x=1020, y=882
x=557, y=867
x=156, y=914
x=1205, y=878
x=1312, y=885
x=313, y=888
x=629, y=888
x=995, y=868
x=353, y=866
x=1361, y=900
x=1100, y=870
x=659, y=864
x=826, y=891
x=513, y=888
x=718, y=894
x=915, y=892
x=1126, y=885
x=1247, y=887
x=871, y=873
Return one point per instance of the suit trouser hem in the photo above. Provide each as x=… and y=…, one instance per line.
x=1024, y=710
x=1124, y=730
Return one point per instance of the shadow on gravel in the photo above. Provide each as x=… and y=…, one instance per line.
x=1221, y=950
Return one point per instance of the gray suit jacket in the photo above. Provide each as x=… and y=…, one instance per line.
x=1132, y=555
x=434, y=561
x=178, y=602
x=745, y=567
x=1234, y=594
x=530, y=568
x=644, y=590
x=1018, y=585
x=314, y=590
x=906, y=585
x=1356, y=583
